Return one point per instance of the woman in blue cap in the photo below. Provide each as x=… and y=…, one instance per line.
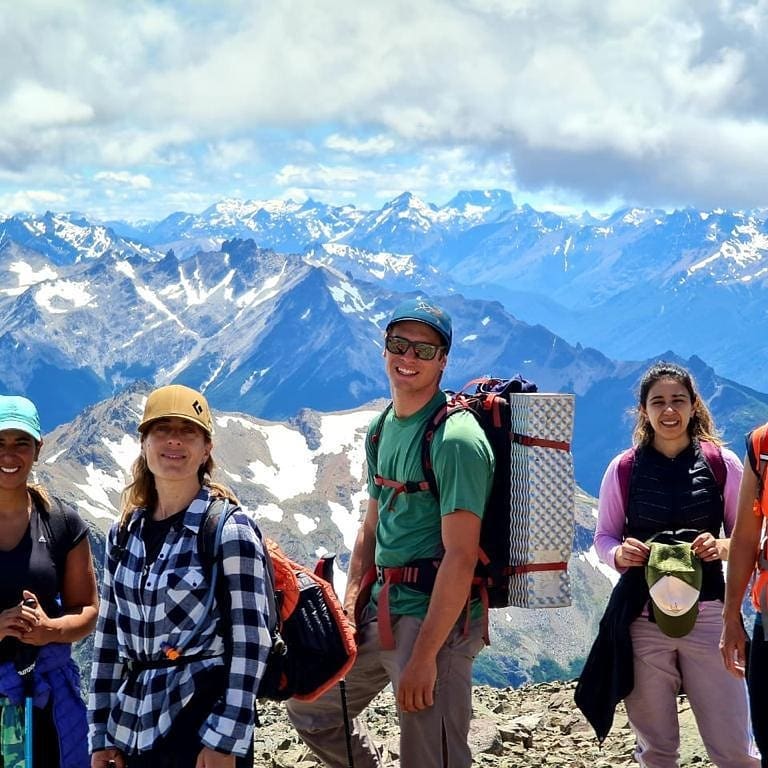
x=48, y=600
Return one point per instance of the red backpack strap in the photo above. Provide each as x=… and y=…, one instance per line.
x=624, y=471
x=714, y=458
x=456, y=403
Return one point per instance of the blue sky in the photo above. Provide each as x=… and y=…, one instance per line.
x=138, y=109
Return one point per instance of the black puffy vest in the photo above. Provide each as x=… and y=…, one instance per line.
x=677, y=494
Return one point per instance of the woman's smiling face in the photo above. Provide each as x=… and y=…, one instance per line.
x=669, y=409
x=18, y=452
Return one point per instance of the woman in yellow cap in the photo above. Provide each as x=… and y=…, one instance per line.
x=48, y=600
x=174, y=675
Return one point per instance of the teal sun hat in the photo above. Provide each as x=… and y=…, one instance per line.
x=18, y=412
x=424, y=311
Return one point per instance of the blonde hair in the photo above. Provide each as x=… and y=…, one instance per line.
x=701, y=426
x=142, y=492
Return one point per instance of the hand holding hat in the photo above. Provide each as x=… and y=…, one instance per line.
x=631, y=552
x=674, y=574
x=706, y=547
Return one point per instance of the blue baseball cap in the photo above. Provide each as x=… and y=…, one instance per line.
x=424, y=311
x=17, y=412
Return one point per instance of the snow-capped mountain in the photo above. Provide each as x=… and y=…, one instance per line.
x=66, y=238
x=626, y=283
x=280, y=225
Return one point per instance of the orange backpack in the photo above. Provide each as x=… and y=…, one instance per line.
x=313, y=643
x=759, y=591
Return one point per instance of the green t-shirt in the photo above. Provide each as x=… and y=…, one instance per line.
x=409, y=526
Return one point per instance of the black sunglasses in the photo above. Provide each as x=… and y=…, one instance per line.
x=423, y=350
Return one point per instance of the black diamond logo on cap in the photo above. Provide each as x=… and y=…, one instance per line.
x=198, y=408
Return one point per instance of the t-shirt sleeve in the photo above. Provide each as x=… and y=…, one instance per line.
x=463, y=463
x=76, y=527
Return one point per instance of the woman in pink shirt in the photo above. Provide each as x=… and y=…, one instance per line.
x=673, y=484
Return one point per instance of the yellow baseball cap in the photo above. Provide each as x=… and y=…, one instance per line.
x=179, y=401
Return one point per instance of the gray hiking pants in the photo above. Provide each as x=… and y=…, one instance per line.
x=717, y=698
x=424, y=735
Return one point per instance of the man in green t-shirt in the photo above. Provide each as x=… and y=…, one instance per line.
x=421, y=640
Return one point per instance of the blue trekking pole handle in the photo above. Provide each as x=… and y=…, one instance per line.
x=28, y=702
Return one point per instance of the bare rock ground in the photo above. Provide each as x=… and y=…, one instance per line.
x=537, y=725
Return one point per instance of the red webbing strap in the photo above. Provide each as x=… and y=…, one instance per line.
x=364, y=593
x=531, y=567
x=410, y=486
x=473, y=383
x=760, y=451
x=493, y=403
x=560, y=445
x=386, y=636
x=405, y=574
x=482, y=594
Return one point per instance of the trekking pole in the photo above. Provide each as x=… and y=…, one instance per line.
x=324, y=570
x=347, y=727
x=26, y=675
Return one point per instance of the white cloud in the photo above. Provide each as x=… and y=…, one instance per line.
x=135, y=180
x=375, y=145
x=223, y=155
x=652, y=102
x=31, y=105
x=31, y=200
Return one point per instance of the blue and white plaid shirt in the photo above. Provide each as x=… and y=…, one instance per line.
x=140, y=612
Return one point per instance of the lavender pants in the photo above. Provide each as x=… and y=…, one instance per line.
x=717, y=698
x=432, y=738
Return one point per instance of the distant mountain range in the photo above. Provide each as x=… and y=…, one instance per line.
x=632, y=284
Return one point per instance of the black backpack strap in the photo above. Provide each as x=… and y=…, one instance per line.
x=206, y=534
x=373, y=437
x=54, y=520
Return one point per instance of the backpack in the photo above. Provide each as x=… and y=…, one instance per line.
x=710, y=451
x=54, y=521
x=759, y=590
x=490, y=404
x=313, y=645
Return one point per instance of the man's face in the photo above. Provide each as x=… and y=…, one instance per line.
x=407, y=373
